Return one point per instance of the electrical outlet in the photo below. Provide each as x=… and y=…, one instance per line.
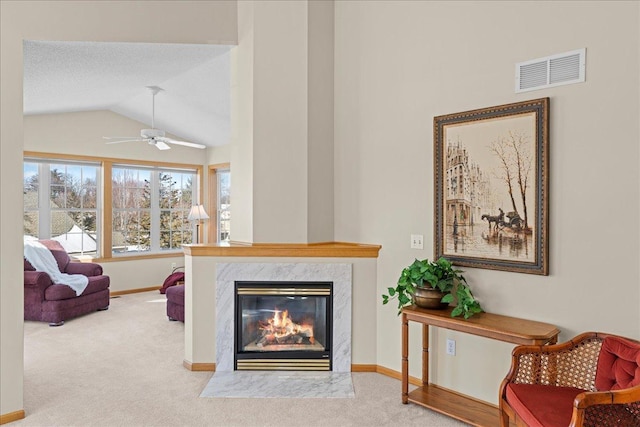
x=416, y=241
x=451, y=347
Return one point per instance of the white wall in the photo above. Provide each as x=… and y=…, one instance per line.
x=399, y=64
x=144, y=21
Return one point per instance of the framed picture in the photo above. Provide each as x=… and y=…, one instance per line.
x=491, y=187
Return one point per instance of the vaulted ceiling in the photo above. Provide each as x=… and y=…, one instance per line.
x=194, y=104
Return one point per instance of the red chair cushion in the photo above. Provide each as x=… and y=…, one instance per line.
x=618, y=364
x=542, y=405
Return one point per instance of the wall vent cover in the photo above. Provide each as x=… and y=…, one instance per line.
x=555, y=70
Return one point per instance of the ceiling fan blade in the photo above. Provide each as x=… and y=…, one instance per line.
x=120, y=137
x=160, y=145
x=125, y=140
x=185, y=143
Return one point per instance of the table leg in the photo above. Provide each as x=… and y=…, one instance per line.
x=425, y=355
x=405, y=359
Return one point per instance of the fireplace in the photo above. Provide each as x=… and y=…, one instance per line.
x=283, y=325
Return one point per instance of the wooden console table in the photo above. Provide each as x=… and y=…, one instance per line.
x=453, y=404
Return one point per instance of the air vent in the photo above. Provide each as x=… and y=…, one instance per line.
x=555, y=70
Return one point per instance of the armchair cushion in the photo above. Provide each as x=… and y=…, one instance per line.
x=618, y=364
x=542, y=405
x=62, y=292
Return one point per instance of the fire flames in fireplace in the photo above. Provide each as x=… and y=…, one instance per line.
x=281, y=329
x=283, y=326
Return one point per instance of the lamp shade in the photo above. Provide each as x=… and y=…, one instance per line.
x=197, y=213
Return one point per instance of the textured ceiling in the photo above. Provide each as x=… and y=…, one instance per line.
x=194, y=105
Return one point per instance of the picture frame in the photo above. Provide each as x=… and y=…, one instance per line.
x=491, y=177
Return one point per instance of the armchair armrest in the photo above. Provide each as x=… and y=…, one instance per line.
x=37, y=280
x=86, y=268
x=607, y=408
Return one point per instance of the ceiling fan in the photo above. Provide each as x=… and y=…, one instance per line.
x=152, y=136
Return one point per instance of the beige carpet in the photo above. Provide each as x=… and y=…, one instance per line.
x=123, y=367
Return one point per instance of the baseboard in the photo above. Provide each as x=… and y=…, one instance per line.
x=364, y=368
x=134, y=291
x=354, y=368
x=12, y=416
x=199, y=366
x=397, y=375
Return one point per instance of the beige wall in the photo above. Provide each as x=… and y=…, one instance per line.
x=242, y=140
x=190, y=22
x=399, y=64
x=284, y=101
x=217, y=155
x=320, y=118
x=280, y=128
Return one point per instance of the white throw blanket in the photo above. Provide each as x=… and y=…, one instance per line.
x=42, y=260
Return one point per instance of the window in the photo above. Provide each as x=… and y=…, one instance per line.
x=61, y=202
x=224, y=205
x=141, y=208
x=150, y=209
x=220, y=202
x=131, y=197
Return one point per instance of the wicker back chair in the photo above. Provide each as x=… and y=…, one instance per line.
x=576, y=383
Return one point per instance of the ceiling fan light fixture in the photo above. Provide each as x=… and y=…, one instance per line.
x=159, y=144
x=154, y=136
x=152, y=133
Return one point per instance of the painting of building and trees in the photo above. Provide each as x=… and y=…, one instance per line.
x=489, y=181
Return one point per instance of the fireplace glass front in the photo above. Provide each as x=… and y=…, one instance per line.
x=283, y=325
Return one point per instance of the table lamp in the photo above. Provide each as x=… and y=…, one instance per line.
x=197, y=213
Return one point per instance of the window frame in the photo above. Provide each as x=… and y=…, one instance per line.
x=105, y=214
x=45, y=208
x=213, y=235
x=156, y=210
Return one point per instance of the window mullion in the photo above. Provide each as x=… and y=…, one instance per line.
x=99, y=213
x=44, y=201
x=155, y=211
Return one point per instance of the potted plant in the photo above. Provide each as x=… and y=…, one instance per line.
x=434, y=284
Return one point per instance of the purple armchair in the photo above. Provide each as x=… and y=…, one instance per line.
x=54, y=303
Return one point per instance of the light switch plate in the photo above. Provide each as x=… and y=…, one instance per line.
x=416, y=241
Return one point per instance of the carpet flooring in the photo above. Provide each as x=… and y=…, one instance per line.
x=123, y=367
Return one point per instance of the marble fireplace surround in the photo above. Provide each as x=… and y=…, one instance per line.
x=203, y=261
x=339, y=274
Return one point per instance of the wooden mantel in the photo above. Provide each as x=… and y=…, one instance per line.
x=302, y=250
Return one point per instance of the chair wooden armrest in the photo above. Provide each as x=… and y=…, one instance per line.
x=606, y=407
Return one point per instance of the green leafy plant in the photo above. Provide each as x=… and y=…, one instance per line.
x=440, y=275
